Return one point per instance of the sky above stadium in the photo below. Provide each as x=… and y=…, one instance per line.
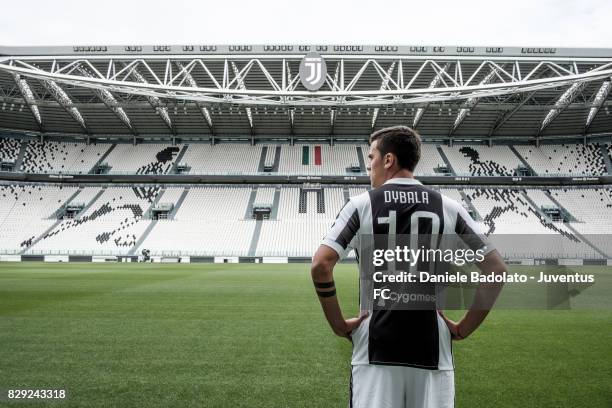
x=562, y=23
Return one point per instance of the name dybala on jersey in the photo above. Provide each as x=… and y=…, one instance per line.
x=412, y=338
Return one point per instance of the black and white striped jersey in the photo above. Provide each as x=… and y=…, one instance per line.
x=402, y=207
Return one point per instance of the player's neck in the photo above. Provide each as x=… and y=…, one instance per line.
x=399, y=173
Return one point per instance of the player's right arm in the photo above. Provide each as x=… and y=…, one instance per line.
x=335, y=245
x=322, y=272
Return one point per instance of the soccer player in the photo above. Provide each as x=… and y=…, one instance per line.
x=401, y=358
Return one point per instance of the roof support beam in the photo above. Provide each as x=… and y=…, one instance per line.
x=383, y=86
x=287, y=81
x=155, y=102
x=241, y=86
x=292, y=119
x=332, y=112
x=433, y=84
x=109, y=101
x=28, y=96
x=288, y=84
x=563, y=102
x=471, y=102
x=506, y=116
x=64, y=100
x=600, y=97
x=203, y=109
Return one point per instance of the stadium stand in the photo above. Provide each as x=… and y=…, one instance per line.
x=353, y=191
x=295, y=232
x=478, y=160
x=26, y=211
x=505, y=209
x=539, y=197
x=270, y=156
x=591, y=207
x=222, y=158
x=9, y=149
x=317, y=159
x=507, y=212
x=110, y=225
x=431, y=162
x=205, y=220
x=215, y=220
x=265, y=195
x=594, y=220
x=291, y=238
x=365, y=148
x=209, y=222
x=143, y=158
x=312, y=159
x=576, y=159
x=61, y=157
x=455, y=194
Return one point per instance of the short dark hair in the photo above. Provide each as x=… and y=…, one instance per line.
x=402, y=141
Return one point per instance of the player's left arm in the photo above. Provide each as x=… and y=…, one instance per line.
x=322, y=272
x=486, y=293
x=484, y=298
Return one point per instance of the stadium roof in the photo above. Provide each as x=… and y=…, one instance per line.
x=256, y=91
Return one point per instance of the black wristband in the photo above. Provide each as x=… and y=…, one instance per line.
x=326, y=294
x=324, y=285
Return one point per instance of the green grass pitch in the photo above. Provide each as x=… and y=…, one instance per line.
x=253, y=335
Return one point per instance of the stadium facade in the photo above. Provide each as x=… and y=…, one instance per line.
x=247, y=152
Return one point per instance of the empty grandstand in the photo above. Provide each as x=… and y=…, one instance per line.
x=220, y=153
x=216, y=221
x=345, y=158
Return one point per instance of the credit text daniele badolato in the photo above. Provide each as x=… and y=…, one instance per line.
x=478, y=277
x=459, y=257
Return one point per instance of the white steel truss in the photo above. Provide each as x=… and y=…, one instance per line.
x=154, y=101
x=29, y=97
x=65, y=102
x=240, y=84
x=203, y=109
x=246, y=82
x=433, y=84
x=563, y=102
x=383, y=86
x=109, y=100
x=254, y=80
x=600, y=97
x=471, y=102
x=332, y=112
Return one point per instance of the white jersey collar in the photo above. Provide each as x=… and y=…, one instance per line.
x=402, y=180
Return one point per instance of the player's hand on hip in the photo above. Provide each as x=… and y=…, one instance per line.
x=350, y=325
x=452, y=327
